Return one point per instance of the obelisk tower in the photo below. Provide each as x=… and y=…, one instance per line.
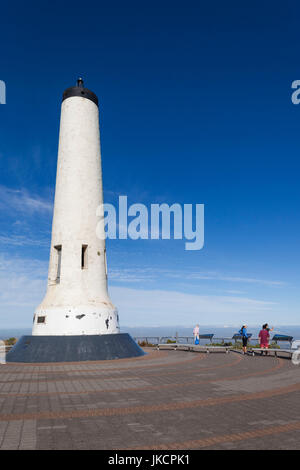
x=77, y=300
x=76, y=321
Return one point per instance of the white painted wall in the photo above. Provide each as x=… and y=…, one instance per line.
x=79, y=303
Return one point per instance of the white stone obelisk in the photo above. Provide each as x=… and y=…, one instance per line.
x=77, y=300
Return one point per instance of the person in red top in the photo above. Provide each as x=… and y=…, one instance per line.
x=264, y=336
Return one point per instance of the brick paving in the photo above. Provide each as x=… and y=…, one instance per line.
x=164, y=400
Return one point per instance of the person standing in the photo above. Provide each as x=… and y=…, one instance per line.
x=264, y=336
x=244, y=335
x=196, y=334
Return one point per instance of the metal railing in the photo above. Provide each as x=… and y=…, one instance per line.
x=190, y=340
x=178, y=339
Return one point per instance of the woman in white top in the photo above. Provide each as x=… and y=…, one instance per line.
x=196, y=334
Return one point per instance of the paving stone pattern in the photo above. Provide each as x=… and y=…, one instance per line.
x=164, y=400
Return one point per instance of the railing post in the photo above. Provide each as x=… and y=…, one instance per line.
x=2, y=352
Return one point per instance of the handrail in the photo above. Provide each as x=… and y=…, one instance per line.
x=190, y=339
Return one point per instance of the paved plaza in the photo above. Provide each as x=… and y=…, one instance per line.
x=165, y=400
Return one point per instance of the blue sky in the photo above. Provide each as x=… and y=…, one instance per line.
x=195, y=107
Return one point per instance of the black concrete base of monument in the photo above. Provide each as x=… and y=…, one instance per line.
x=74, y=348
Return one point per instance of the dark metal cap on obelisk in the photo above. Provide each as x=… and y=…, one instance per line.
x=79, y=90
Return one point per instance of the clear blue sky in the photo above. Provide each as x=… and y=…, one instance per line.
x=195, y=107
